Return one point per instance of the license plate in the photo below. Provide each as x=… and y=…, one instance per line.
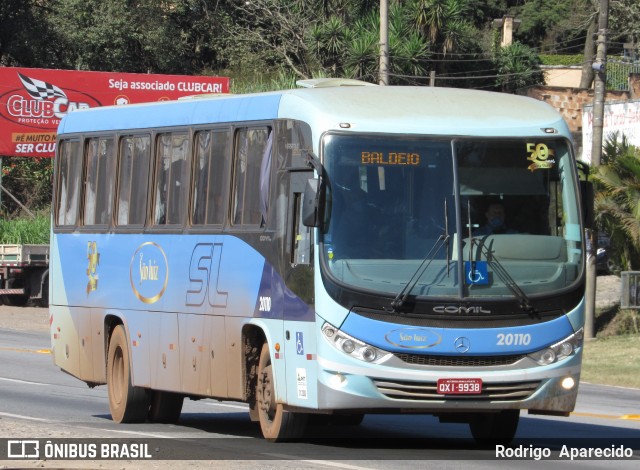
x=459, y=386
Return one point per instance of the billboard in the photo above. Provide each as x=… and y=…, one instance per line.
x=33, y=101
x=622, y=117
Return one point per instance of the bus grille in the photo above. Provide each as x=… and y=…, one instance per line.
x=459, y=361
x=427, y=391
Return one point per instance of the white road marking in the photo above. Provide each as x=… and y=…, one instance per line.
x=21, y=381
x=29, y=418
x=225, y=405
x=324, y=463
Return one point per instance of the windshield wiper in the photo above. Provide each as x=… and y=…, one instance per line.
x=442, y=240
x=498, y=268
x=400, y=299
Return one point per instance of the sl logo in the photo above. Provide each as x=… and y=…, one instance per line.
x=204, y=274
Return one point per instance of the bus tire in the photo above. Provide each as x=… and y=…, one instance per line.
x=276, y=423
x=127, y=404
x=165, y=407
x=494, y=428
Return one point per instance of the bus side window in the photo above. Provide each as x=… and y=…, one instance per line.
x=211, y=163
x=133, y=179
x=250, y=148
x=99, y=181
x=171, y=179
x=68, y=184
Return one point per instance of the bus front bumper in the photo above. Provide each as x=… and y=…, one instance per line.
x=546, y=389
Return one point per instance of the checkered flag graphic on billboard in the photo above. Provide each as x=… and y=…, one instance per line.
x=40, y=90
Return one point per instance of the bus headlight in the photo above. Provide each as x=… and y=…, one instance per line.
x=353, y=347
x=559, y=351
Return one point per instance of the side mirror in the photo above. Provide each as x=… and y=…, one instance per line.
x=587, y=197
x=311, y=203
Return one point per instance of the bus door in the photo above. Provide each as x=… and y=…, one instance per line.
x=299, y=309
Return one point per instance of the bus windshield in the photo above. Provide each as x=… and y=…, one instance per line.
x=467, y=217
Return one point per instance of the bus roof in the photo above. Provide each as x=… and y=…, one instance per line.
x=410, y=110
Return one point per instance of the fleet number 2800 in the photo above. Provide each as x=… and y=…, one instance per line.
x=511, y=339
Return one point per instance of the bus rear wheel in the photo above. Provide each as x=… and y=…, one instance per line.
x=128, y=404
x=494, y=428
x=276, y=423
x=165, y=407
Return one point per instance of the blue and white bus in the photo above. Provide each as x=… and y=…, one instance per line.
x=321, y=251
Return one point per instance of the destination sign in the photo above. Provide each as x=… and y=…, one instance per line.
x=390, y=158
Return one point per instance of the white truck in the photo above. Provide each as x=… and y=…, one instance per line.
x=24, y=274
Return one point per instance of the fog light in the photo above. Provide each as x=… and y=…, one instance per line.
x=348, y=346
x=338, y=380
x=568, y=383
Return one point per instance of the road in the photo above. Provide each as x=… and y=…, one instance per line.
x=39, y=401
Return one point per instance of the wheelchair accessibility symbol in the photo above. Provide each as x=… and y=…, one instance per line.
x=476, y=272
x=299, y=343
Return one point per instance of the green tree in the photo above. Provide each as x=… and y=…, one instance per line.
x=518, y=67
x=454, y=29
x=25, y=36
x=617, y=201
x=118, y=35
x=146, y=36
x=547, y=24
x=570, y=26
x=328, y=42
x=29, y=181
x=408, y=50
x=270, y=35
x=443, y=22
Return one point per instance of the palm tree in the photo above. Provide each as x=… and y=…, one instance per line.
x=518, y=66
x=443, y=22
x=349, y=46
x=617, y=202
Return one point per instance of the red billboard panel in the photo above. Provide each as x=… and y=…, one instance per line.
x=33, y=101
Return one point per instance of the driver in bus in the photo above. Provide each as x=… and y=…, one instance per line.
x=495, y=223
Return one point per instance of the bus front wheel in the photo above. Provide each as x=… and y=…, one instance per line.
x=276, y=423
x=128, y=404
x=494, y=428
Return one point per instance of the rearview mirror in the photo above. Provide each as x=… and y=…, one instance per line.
x=311, y=203
x=587, y=198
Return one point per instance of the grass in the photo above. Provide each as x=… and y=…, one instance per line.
x=612, y=360
x=25, y=231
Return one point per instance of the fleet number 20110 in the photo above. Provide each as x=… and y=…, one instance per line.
x=511, y=339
